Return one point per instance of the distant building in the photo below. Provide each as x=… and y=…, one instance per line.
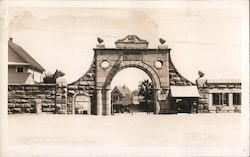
x=121, y=95
x=124, y=100
x=220, y=95
x=120, y=98
x=21, y=66
x=136, y=98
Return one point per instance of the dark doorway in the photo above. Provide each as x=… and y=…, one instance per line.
x=185, y=105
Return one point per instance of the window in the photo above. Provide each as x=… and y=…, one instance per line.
x=20, y=69
x=225, y=99
x=104, y=64
x=236, y=98
x=216, y=98
x=158, y=64
x=115, y=98
x=220, y=99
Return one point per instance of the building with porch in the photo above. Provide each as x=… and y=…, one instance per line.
x=220, y=95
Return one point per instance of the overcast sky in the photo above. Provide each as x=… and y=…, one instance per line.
x=63, y=38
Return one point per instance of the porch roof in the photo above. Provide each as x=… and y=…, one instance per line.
x=184, y=91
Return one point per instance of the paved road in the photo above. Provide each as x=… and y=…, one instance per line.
x=74, y=134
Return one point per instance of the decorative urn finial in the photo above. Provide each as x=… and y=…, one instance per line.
x=100, y=40
x=162, y=41
x=100, y=45
x=163, y=45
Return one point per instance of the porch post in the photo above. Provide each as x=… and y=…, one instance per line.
x=99, y=101
x=210, y=101
x=108, y=101
x=157, y=104
x=230, y=101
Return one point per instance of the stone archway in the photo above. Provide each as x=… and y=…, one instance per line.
x=130, y=51
x=128, y=64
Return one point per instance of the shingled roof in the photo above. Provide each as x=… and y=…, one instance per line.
x=26, y=57
x=123, y=90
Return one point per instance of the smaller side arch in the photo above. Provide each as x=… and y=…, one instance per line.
x=87, y=108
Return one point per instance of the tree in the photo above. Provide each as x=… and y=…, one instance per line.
x=146, y=90
x=49, y=78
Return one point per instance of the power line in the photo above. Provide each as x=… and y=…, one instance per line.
x=60, y=31
x=116, y=37
x=205, y=43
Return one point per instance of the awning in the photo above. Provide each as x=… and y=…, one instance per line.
x=184, y=91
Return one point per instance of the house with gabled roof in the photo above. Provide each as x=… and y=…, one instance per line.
x=21, y=66
x=121, y=95
x=121, y=99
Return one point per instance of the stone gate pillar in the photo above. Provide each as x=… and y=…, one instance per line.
x=157, y=104
x=99, y=101
x=108, y=101
x=38, y=106
x=61, y=95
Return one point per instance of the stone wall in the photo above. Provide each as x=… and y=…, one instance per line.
x=85, y=84
x=26, y=98
x=175, y=78
x=50, y=98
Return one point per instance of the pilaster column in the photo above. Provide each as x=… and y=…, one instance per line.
x=230, y=100
x=99, y=101
x=108, y=101
x=157, y=103
x=210, y=101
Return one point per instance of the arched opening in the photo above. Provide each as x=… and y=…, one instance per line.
x=81, y=104
x=128, y=94
x=103, y=93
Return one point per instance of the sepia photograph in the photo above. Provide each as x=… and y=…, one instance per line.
x=124, y=78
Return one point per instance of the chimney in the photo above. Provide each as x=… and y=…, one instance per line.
x=11, y=39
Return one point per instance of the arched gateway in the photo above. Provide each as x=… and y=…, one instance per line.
x=130, y=51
